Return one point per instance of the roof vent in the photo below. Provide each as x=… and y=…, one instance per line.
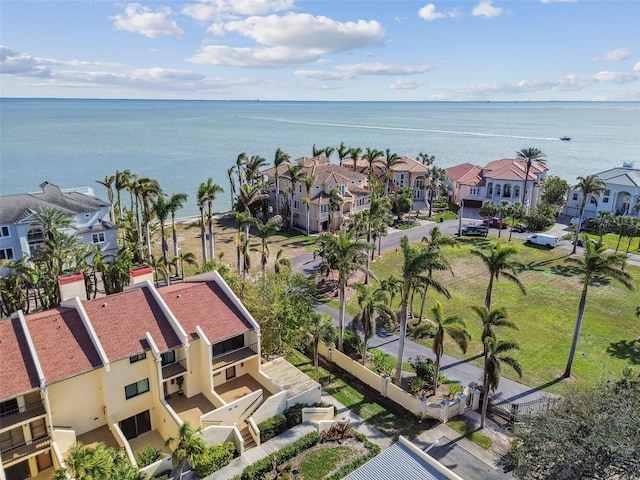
x=627, y=165
x=104, y=305
x=178, y=296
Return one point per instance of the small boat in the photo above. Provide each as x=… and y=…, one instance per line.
x=565, y=139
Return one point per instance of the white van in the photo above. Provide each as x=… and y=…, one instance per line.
x=543, y=239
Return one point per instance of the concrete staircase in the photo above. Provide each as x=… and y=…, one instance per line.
x=249, y=442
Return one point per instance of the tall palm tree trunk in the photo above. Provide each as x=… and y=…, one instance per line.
x=576, y=331
x=174, y=235
x=404, y=313
x=212, y=252
x=203, y=237
x=342, y=294
x=487, y=298
x=485, y=388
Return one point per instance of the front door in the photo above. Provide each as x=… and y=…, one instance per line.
x=231, y=373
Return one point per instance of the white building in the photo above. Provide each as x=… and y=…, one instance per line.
x=20, y=236
x=621, y=195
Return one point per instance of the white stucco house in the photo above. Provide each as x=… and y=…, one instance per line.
x=621, y=195
x=21, y=236
x=497, y=181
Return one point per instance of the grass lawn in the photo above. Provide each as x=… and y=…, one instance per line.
x=368, y=404
x=545, y=316
x=476, y=437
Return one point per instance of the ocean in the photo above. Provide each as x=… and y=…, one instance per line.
x=73, y=143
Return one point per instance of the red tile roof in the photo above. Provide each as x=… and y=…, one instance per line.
x=62, y=344
x=17, y=369
x=512, y=169
x=121, y=321
x=205, y=305
x=465, y=174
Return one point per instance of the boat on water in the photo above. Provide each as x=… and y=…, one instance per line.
x=565, y=139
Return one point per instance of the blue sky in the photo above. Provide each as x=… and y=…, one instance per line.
x=322, y=50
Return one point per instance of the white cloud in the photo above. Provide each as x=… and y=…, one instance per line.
x=349, y=72
x=404, y=84
x=615, y=55
x=486, y=9
x=428, y=12
x=206, y=10
x=292, y=39
x=141, y=19
x=636, y=67
x=21, y=64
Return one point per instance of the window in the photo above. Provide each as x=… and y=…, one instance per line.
x=341, y=189
x=490, y=188
x=605, y=200
x=324, y=208
x=168, y=358
x=507, y=191
x=138, y=357
x=4, y=231
x=98, y=237
x=6, y=253
x=516, y=191
x=35, y=235
x=498, y=189
x=136, y=389
x=605, y=196
x=362, y=201
x=296, y=205
x=299, y=188
x=575, y=196
x=228, y=345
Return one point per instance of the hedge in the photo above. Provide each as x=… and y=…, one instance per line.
x=213, y=458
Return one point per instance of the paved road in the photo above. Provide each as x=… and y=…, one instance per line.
x=460, y=370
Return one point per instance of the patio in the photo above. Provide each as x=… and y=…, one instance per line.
x=240, y=387
x=152, y=438
x=100, y=434
x=191, y=408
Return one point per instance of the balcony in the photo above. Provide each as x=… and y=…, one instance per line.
x=22, y=414
x=221, y=361
x=13, y=453
x=174, y=369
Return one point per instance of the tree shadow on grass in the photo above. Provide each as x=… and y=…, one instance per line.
x=566, y=270
x=625, y=350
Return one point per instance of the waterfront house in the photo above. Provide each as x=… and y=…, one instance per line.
x=20, y=235
x=351, y=186
x=497, y=181
x=128, y=369
x=620, y=197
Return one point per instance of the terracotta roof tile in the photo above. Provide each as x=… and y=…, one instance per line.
x=121, y=321
x=62, y=344
x=457, y=172
x=207, y=306
x=17, y=368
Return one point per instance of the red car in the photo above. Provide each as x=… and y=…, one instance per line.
x=495, y=222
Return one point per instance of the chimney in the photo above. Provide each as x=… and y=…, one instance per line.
x=71, y=286
x=141, y=274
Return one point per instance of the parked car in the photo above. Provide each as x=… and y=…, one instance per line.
x=475, y=230
x=495, y=222
x=581, y=242
x=574, y=221
x=519, y=228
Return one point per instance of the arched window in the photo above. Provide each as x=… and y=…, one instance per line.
x=507, y=190
x=498, y=189
x=35, y=235
x=490, y=188
x=516, y=191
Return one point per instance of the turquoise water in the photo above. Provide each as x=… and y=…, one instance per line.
x=182, y=143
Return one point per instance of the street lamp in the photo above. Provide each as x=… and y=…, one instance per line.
x=330, y=364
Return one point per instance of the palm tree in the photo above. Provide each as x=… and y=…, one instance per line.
x=426, y=159
x=391, y=286
x=494, y=358
x=319, y=328
x=280, y=158
x=354, y=155
x=207, y=193
x=309, y=181
x=295, y=176
x=244, y=220
x=335, y=204
x=370, y=302
x=281, y=262
x=372, y=156
x=345, y=253
x=343, y=152
x=491, y=319
x=266, y=230
x=436, y=240
x=390, y=159
x=122, y=181
x=416, y=262
x=202, y=205
x=161, y=208
x=147, y=190
x=184, y=257
x=529, y=156
x=51, y=219
x=498, y=262
x=253, y=167
x=589, y=186
x=518, y=212
x=454, y=327
x=232, y=185
x=176, y=202
x=596, y=263
x=437, y=177
x=189, y=444
x=108, y=182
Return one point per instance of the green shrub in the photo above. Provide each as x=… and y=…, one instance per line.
x=418, y=386
x=147, y=456
x=351, y=342
x=294, y=414
x=455, y=388
x=259, y=469
x=163, y=475
x=372, y=451
x=272, y=427
x=213, y=458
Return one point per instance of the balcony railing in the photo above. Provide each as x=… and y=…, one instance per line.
x=13, y=453
x=225, y=359
x=21, y=414
x=174, y=369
